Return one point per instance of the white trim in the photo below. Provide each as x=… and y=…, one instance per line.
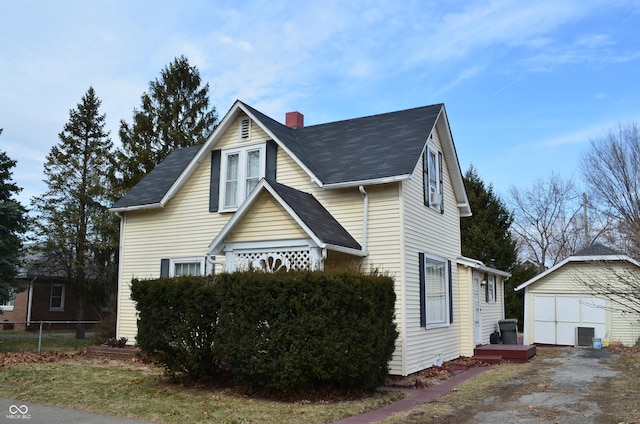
x=137, y=207
x=242, y=153
x=600, y=258
x=349, y=184
x=447, y=302
x=476, y=264
x=189, y=260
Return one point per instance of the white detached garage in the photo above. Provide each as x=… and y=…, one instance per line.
x=558, y=305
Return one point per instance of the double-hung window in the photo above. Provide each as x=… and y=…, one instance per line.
x=491, y=289
x=241, y=170
x=57, y=297
x=435, y=291
x=432, y=179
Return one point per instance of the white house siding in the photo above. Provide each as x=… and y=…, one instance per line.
x=492, y=312
x=427, y=230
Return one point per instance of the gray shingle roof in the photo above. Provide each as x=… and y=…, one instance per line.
x=315, y=216
x=597, y=249
x=360, y=149
x=157, y=183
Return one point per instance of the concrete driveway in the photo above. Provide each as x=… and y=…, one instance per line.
x=556, y=390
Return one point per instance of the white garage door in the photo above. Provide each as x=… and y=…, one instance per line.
x=556, y=318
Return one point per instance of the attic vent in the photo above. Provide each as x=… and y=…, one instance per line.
x=245, y=129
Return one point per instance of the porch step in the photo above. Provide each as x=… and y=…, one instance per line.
x=511, y=353
x=488, y=359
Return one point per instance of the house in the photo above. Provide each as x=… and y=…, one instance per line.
x=560, y=307
x=45, y=298
x=382, y=192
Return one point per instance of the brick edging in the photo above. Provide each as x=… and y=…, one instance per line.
x=107, y=352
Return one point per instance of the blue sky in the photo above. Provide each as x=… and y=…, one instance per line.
x=526, y=84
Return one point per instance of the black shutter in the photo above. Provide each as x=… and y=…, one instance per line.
x=271, y=159
x=441, y=182
x=214, y=183
x=423, y=294
x=164, y=268
x=450, y=282
x=486, y=287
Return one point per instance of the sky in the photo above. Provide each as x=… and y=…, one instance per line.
x=526, y=84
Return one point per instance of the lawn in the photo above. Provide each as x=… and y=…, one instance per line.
x=21, y=341
x=137, y=390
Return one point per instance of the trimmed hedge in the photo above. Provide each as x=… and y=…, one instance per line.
x=285, y=331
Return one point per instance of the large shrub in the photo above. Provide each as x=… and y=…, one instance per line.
x=177, y=323
x=284, y=331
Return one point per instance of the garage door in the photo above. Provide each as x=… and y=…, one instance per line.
x=557, y=317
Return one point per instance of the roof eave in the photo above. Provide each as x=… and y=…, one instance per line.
x=137, y=207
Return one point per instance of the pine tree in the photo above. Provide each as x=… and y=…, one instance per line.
x=486, y=235
x=174, y=113
x=74, y=227
x=13, y=223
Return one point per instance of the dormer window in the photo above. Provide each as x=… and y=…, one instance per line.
x=245, y=129
x=240, y=172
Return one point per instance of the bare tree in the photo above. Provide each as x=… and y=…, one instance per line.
x=617, y=281
x=611, y=169
x=543, y=220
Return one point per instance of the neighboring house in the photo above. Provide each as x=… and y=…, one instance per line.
x=44, y=298
x=558, y=302
x=381, y=192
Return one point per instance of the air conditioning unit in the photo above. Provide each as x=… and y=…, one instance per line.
x=584, y=336
x=434, y=198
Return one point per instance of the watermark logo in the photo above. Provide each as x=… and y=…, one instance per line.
x=18, y=412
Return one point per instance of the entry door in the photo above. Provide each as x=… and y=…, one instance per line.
x=477, y=312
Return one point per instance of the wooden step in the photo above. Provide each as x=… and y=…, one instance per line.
x=511, y=353
x=488, y=359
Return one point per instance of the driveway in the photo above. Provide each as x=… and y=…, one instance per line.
x=566, y=389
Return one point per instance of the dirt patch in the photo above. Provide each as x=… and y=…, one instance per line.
x=434, y=375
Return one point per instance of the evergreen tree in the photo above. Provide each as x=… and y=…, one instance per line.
x=74, y=227
x=485, y=235
x=174, y=113
x=13, y=223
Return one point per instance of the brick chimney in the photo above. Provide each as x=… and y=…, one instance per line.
x=294, y=120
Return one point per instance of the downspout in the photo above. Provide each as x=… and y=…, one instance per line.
x=30, y=300
x=365, y=217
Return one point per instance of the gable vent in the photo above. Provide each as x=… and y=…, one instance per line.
x=245, y=129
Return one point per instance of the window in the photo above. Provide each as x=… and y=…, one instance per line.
x=241, y=170
x=57, y=297
x=7, y=305
x=435, y=291
x=491, y=288
x=186, y=266
x=432, y=179
x=245, y=129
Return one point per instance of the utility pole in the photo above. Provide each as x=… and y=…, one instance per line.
x=586, y=221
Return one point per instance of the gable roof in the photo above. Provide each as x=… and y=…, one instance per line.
x=593, y=253
x=361, y=151
x=305, y=209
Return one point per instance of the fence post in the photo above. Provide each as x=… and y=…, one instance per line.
x=40, y=337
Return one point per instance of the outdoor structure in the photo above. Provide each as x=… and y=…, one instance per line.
x=382, y=192
x=560, y=308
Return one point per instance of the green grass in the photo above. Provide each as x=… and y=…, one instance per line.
x=139, y=391
x=52, y=343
